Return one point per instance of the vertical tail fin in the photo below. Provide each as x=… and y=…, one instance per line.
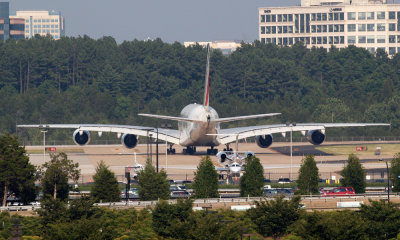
x=207, y=80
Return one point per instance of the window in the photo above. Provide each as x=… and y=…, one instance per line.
x=313, y=28
x=392, y=15
x=313, y=40
x=27, y=31
x=56, y=20
x=341, y=39
x=290, y=41
x=319, y=40
x=273, y=30
x=336, y=40
x=324, y=40
x=392, y=50
x=267, y=30
x=284, y=29
x=290, y=18
x=380, y=15
x=324, y=28
x=330, y=40
x=279, y=17
x=380, y=39
x=330, y=16
x=392, y=38
x=262, y=30
x=361, y=39
x=324, y=17
x=370, y=27
x=262, y=18
x=361, y=16
x=351, y=16
x=319, y=17
x=267, y=18
x=341, y=28
x=26, y=26
x=273, y=18
x=351, y=39
x=290, y=29
x=398, y=39
x=351, y=27
x=279, y=29
x=318, y=28
x=336, y=16
x=284, y=18
x=370, y=39
x=392, y=27
x=370, y=15
x=371, y=50
x=27, y=20
x=361, y=27
x=380, y=27
x=330, y=27
x=52, y=20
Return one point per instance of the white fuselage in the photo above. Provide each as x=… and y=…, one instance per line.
x=195, y=133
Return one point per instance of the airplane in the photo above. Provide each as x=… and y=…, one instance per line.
x=199, y=125
x=236, y=164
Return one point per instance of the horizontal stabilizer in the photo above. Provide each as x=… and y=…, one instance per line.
x=168, y=117
x=230, y=119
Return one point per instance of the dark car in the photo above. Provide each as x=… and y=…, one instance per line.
x=180, y=194
x=284, y=180
x=271, y=192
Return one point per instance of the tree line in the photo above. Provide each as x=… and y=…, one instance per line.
x=82, y=80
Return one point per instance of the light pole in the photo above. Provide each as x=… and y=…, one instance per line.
x=388, y=178
x=291, y=125
x=44, y=130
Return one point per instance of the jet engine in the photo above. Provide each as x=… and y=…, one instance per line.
x=315, y=137
x=81, y=137
x=222, y=156
x=246, y=154
x=264, y=141
x=129, y=140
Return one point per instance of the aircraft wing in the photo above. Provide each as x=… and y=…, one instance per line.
x=169, y=135
x=229, y=135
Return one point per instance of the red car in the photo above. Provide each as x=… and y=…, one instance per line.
x=339, y=191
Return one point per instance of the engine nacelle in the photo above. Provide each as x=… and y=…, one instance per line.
x=81, y=137
x=315, y=137
x=246, y=154
x=222, y=156
x=129, y=140
x=264, y=141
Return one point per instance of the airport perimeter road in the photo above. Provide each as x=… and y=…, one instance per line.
x=181, y=166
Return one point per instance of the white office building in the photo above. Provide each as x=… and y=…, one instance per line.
x=370, y=24
x=42, y=23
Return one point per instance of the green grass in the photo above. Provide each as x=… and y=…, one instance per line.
x=65, y=150
x=390, y=149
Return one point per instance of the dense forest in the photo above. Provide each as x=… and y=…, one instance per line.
x=82, y=80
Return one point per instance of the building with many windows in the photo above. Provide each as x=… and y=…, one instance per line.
x=371, y=24
x=10, y=28
x=42, y=23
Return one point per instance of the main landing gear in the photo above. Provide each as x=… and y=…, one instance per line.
x=189, y=150
x=212, y=151
x=171, y=150
x=227, y=149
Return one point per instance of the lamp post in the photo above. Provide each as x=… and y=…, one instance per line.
x=388, y=178
x=44, y=130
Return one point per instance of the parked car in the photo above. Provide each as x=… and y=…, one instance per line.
x=284, y=180
x=271, y=192
x=133, y=193
x=180, y=194
x=339, y=191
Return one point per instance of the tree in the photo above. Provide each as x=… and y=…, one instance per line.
x=395, y=172
x=152, y=185
x=171, y=220
x=17, y=175
x=308, y=176
x=382, y=219
x=58, y=170
x=206, y=179
x=105, y=186
x=252, y=180
x=272, y=218
x=354, y=175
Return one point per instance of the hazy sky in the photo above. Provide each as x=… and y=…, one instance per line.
x=170, y=20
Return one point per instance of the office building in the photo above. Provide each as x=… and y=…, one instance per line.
x=10, y=28
x=42, y=23
x=370, y=24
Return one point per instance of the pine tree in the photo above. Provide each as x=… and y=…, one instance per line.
x=152, y=185
x=354, y=175
x=206, y=179
x=252, y=181
x=58, y=170
x=105, y=186
x=395, y=172
x=17, y=175
x=308, y=176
